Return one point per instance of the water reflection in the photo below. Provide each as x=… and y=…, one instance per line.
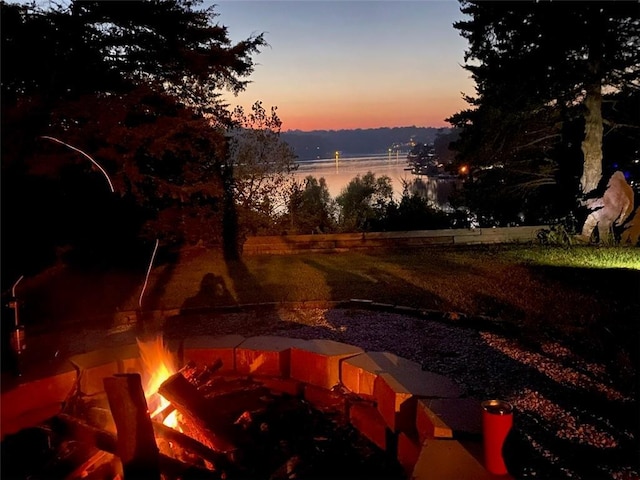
x=338, y=173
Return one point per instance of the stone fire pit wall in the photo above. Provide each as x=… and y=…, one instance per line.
x=406, y=411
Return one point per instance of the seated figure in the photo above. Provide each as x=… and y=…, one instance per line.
x=611, y=209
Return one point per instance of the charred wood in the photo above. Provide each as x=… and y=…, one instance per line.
x=210, y=428
x=220, y=461
x=199, y=375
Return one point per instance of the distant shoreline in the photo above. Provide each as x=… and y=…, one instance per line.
x=319, y=144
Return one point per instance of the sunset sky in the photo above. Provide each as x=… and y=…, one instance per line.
x=353, y=64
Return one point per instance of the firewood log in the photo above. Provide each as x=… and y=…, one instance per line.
x=212, y=430
x=136, y=442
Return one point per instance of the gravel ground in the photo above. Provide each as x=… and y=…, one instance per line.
x=572, y=418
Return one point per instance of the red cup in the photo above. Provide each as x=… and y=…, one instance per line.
x=497, y=420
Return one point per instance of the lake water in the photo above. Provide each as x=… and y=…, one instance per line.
x=339, y=174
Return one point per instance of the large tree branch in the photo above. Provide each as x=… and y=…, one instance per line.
x=538, y=140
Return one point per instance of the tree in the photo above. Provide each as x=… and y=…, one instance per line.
x=442, y=146
x=364, y=201
x=262, y=166
x=311, y=208
x=414, y=212
x=135, y=87
x=540, y=70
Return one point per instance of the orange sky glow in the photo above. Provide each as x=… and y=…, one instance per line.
x=336, y=117
x=353, y=64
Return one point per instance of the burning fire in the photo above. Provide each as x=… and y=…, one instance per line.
x=159, y=364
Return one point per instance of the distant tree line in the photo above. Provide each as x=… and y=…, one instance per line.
x=324, y=143
x=365, y=204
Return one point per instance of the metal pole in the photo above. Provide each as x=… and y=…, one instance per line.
x=14, y=301
x=17, y=336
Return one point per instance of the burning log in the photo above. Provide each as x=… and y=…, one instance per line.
x=98, y=462
x=200, y=375
x=136, y=443
x=164, y=413
x=66, y=425
x=69, y=426
x=219, y=460
x=211, y=429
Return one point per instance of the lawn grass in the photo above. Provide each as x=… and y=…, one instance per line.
x=580, y=256
x=539, y=290
x=514, y=282
x=510, y=281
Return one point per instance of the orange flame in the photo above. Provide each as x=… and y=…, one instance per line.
x=159, y=364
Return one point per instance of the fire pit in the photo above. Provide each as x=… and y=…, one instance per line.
x=236, y=407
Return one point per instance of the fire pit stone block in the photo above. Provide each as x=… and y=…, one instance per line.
x=98, y=364
x=449, y=418
x=429, y=424
x=325, y=400
x=317, y=362
x=396, y=395
x=206, y=349
x=447, y=459
x=368, y=421
x=33, y=402
x=282, y=385
x=409, y=447
x=266, y=355
x=359, y=372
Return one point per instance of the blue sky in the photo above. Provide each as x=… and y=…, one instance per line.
x=353, y=64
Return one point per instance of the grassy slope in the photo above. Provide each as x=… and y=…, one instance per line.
x=539, y=289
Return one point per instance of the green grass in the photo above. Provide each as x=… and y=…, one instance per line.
x=511, y=281
x=581, y=256
x=538, y=288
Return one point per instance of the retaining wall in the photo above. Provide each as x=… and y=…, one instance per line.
x=284, y=244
